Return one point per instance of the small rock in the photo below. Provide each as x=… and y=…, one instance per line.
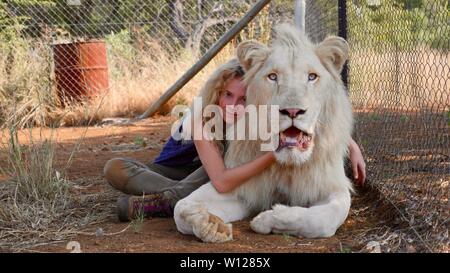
x=99, y=232
x=115, y=121
x=410, y=249
x=373, y=247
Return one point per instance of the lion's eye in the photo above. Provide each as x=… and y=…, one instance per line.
x=312, y=77
x=272, y=77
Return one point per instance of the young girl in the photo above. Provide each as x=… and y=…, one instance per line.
x=183, y=166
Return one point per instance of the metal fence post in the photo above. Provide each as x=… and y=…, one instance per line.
x=300, y=14
x=342, y=32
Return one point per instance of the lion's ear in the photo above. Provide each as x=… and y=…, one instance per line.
x=251, y=52
x=333, y=52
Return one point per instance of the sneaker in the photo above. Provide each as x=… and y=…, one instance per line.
x=130, y=207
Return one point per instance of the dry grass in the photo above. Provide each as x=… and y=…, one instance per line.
x=25, y=83
x=36, y=201
x=38, y=204
x=132, y=93
x=137, y=79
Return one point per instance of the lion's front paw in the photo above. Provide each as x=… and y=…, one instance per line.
x=206, y=226
x=263, y=222
x=213, y=230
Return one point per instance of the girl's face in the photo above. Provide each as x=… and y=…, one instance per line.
x=232, y=100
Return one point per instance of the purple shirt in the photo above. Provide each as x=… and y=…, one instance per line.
x=178, y=153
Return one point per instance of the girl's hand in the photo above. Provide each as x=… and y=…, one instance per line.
x=358, y=164
x=271, y=156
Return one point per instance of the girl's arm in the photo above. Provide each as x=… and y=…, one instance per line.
x=223, y=179
x=357, y=161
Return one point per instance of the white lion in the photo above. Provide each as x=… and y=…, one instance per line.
x=306, y=192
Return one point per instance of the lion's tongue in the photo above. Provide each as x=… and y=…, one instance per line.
x=291, y=136
x=292, y=132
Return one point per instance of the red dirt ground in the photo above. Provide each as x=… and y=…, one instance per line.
x=143, y=141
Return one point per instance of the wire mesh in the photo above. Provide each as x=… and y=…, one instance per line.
x=398, y=74
x=61, y=43
x=399, y=86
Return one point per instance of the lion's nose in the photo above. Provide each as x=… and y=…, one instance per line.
x=292, y=112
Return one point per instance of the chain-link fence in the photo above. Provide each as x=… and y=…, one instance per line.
x=399, y=84
x=398, y=75
x=55, y=51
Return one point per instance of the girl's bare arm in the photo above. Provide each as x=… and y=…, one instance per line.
x=223, y=179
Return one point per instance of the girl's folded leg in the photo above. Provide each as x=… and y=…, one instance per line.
x=174, y=172
x=186, y=186
x=155, y=194
x=133, y=177
x=163, y=203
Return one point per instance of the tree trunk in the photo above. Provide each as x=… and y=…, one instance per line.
x=195, y=40
x=192, y=41
x=176, y=23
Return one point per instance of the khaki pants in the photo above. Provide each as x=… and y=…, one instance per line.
x=133, y=177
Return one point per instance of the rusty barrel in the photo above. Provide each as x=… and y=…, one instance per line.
x=81, y=70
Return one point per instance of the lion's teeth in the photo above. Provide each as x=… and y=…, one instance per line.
x=291, y=140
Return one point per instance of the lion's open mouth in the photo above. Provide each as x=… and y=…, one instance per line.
x=293, y=137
